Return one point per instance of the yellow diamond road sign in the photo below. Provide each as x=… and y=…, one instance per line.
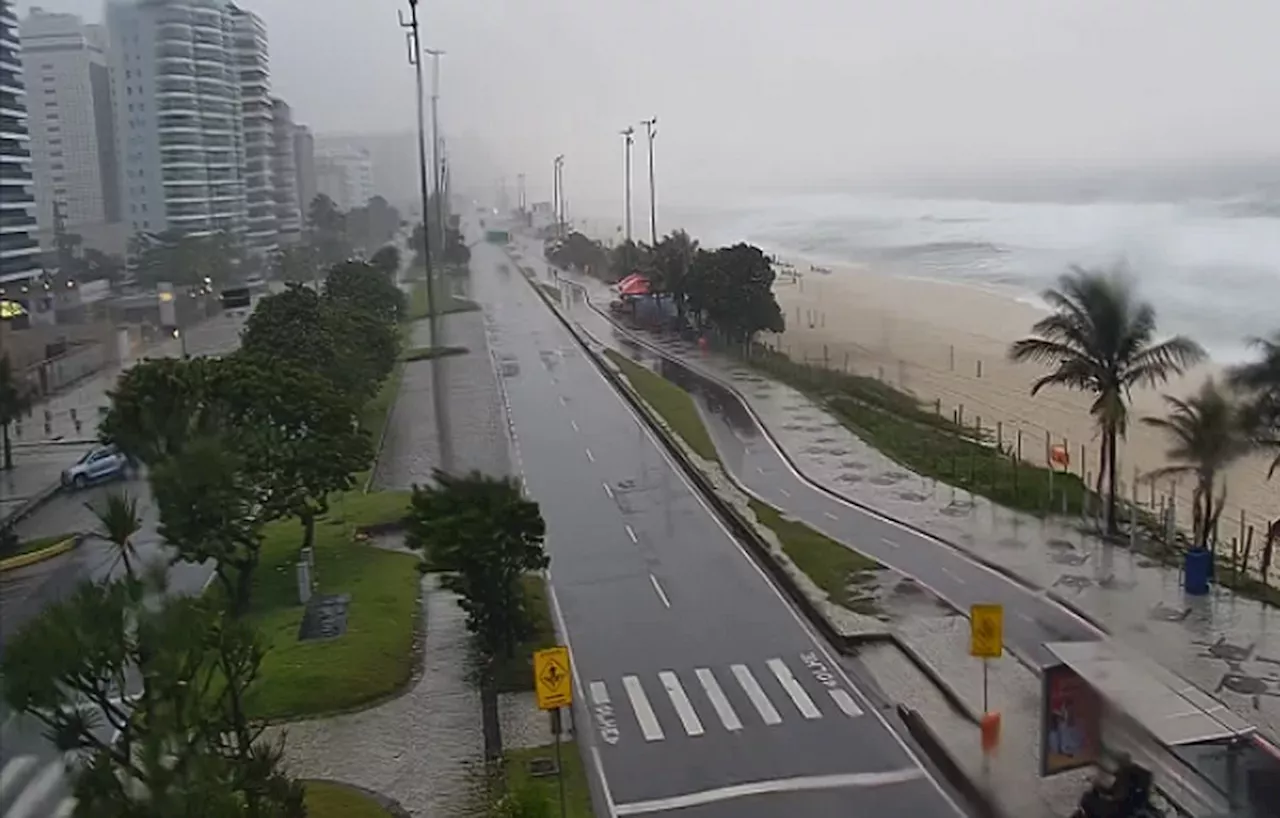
x=986, y=637
x=551, y=678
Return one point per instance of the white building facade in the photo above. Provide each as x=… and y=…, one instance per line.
x=284, y=173
x=176, y=86
x=71, y=121
x=258, y=130
x=345, y=175
x=19, y=250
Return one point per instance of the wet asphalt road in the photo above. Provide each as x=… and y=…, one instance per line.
x=1031, y=619
x=698, y=680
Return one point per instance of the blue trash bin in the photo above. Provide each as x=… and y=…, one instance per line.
x=1198, y=566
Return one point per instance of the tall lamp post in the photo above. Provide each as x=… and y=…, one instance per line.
x=651, y=130
x=415, y=59
x=558, y=203
x=628, y=139
x=437, y=150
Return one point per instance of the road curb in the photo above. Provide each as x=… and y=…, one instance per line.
x=32, y=504
x=40, y=555
x=984, y=805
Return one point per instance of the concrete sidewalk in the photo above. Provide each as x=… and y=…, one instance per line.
x=1225, y=644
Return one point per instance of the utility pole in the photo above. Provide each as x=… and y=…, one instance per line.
x=520, y=192
x=558, y=204
x=628, y=139
x=415, y=59
x=437, y=150
x=651, y=130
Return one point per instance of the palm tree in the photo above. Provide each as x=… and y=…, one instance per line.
x=1260, y=382
x=118, y=522
x=672, y=260
x=1207, y=432
x=1100, y=339
x=15, y=401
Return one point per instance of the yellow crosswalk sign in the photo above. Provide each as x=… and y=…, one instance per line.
x=551, y=678
x=986, y=635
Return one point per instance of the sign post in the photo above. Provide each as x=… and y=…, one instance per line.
x=553, y=685
x=986, y=641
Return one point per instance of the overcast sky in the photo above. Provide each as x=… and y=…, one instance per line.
x=795, y=93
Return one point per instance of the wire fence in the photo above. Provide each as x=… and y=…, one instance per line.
x=967, y=379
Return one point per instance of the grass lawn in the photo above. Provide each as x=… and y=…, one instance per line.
x=836, y=569
x=674, y=404
x=328, y=800
x=516, y=674
x=577, y=794
x=427, y=353
x=899, y=426
x=374, y=657
x=420, y=303
x=374, y=416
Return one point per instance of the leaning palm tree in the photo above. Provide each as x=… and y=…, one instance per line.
x=118, y=522
x=15, y=401
x=1260, y=382
x=1100, y=339
x=1207, y=432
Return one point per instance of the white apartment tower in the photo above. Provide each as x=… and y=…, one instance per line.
x=345, y=175
x=258, y=128
x=284, y=173
x=19, y=251
x=177, y=83
x=73, y=150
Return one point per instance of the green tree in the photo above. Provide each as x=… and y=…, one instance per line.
x=159, y=405
x=1207, y=432
x=98, y=264
x=672, y=261
x=184, y=260
x=296, y=326
x=183, y=744
x=361, y=285
x=1101, y=339
x=487, y=536
x=731, y=289
x=209, y=511
x=118, y=523
x=577, y=252
x=15, y=401
x=327, y=228
x=387, y=261
x=1259, y=381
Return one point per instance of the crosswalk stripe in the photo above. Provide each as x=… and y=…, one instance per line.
x=680, y=700
x=599, y=693
x=649, y=726
x=845, y=702
x=14, y=769
x=718, y=700
x=35, y=792
x=803, y=703
x=752, y=688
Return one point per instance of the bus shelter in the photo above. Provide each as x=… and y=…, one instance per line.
x=1098, y=699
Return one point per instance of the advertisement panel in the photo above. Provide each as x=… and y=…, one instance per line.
x=1070, y=729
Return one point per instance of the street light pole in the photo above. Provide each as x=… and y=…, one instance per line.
x=628, y=139
x=415, y=59
x=437, y=152
x=558, y=204
x=651, y=130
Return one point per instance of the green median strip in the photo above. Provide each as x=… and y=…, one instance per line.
x=839, y=571
x=538, y=795
x=427, y=353
x=325, y=799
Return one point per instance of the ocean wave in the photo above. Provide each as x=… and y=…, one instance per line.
x=936, y=248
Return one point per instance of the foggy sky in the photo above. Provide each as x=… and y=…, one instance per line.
x=793, y=93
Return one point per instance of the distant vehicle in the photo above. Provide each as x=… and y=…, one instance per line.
x=99, y=464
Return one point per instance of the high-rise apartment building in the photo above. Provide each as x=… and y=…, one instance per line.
x=304, y=158
x=284, y=173
x=19, y=251
x=177, y=84
x=73, y=150
x=345, y=174
x=258, y=129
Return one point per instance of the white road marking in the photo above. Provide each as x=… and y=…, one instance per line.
x=789, y=683
x=661, y=593
x=631, y=532
x=35, y=792
x=845, y=702
x=649, y=726
x=889, y=542
x=1026, y=617
x=801, y=784
x=680, y=701
x=563, y=402
x=784, y=492
x=954, y=576
x=829, y=515
x=718, y=700
x=14, y=768
x=760, y=469
x=599, y=693
x=752, y=688
x=608, y=490
x=590, y=456
x=574, y=424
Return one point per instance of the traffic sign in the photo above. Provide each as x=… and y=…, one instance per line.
x=986, y=631
x=551, y=678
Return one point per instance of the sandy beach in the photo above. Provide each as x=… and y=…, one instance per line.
x=947, y=342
